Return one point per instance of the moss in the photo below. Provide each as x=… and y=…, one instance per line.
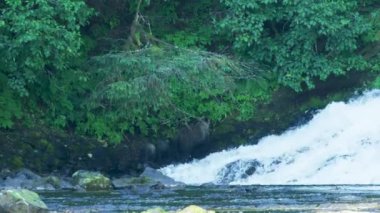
x=91, y=181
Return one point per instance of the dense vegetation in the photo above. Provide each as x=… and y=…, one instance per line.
x=109, y=69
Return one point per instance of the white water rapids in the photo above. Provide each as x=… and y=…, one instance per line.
x=340, y=145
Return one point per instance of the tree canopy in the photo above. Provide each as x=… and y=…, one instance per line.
x=108, y=69
x=303, y=40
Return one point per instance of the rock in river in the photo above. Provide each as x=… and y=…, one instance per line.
x=91, y=181
x=21, y=200
x=27, y=179
x=157, y=176
x=155, y=210
x=194, y=209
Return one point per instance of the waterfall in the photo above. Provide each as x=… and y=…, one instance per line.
x=339, y=145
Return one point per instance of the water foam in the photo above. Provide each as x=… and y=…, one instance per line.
x=340, y=145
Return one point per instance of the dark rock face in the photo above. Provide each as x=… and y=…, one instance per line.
x=46, y=151
x=237, y=170
x=190, y=137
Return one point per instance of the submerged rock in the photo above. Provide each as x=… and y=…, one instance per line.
x=158, y=186
x=21, y=200
x=237, y=170
x=91, y=181
x=194, y=209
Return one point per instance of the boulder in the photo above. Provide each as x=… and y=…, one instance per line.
x=237, y=170
x=21, y=200
x=91, y=181
x=194, y=209
x=156, y=176
x=26, y=179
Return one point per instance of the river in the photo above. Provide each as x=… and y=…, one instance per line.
x=252, y=198
x=330, y=163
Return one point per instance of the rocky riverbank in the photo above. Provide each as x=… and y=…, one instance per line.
x=17, y=188
x=83, y=180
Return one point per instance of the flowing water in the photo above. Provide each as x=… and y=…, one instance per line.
x=329, y=164
x=340, y=145
x=252, y=198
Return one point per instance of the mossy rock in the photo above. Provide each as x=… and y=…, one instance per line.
x=21, y=200
x=91, y=181
x=194, y=209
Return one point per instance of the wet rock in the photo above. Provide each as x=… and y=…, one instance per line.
x=91, y=181
x=155, y=210
x=194, y=209
x=156, y=176
x=23, y=178
x=158, y=186
x=237, y=170
x=66, y=184
x=21, y=200
x=122, y=182
x=57, y=182
x=27, y=179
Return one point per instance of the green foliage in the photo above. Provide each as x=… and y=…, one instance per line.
x=10, y=106
x=155, y=91
x=183, y=23
x=57, y=71
x=39, y=42
x=376, y=83
x=301, y=40
x=39, y=38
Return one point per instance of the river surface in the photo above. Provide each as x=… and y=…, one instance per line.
x=299, y=198
x=329, y=164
